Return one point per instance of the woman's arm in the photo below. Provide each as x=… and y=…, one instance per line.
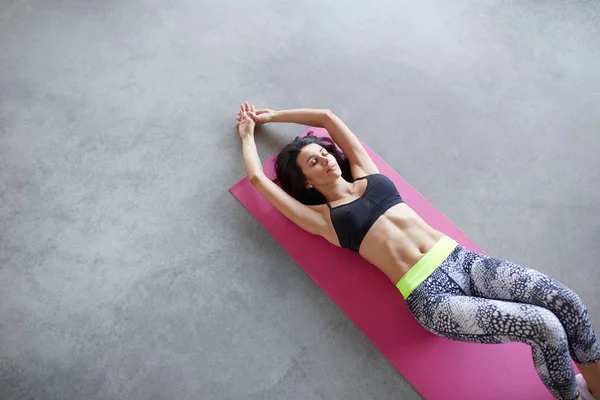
x=360, y=161
x=303, y=216
x=251, y=160
x=303, y=116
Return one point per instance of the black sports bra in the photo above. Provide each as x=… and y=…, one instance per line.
x=353, y=220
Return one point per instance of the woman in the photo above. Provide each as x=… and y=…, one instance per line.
x=453, y=292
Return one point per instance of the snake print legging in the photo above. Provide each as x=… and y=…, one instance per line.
x=472, y=297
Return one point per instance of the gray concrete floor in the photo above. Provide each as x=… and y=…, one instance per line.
x=127, y=269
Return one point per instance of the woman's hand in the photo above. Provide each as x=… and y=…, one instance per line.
x=244, y=122
x=258, y=116
x=262, y=116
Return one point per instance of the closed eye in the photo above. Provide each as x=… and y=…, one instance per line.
x=313, y=161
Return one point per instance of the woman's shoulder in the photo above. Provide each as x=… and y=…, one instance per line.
x=359, y=172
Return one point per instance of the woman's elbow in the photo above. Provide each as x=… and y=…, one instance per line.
x=255, y=179
x=327, y=116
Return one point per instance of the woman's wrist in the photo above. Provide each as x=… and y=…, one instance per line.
x=249, y=136
x=273, y=117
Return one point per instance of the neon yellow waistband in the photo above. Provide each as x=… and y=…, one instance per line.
x=426, y=265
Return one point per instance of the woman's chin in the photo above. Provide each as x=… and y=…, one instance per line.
x=334, y=173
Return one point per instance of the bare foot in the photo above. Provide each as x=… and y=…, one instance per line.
x=591, y=373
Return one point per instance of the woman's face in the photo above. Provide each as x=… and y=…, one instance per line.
x=319, y=167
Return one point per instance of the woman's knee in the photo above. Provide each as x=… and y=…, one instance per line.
x=548, y=330
x=566, y=305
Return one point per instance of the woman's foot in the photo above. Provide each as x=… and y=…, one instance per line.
x=583, y=388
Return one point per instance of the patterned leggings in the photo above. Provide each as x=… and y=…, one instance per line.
x=472, y=297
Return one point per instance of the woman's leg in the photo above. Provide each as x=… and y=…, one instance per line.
x=441, y=307
x=503, y=280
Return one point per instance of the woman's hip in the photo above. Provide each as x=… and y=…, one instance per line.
x=445, y=249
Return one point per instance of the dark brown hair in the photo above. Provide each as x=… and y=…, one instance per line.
x=290, y=175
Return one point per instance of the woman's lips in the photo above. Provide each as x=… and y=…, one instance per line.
x=332, y=167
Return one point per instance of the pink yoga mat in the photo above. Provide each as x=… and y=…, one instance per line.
x=438, y=368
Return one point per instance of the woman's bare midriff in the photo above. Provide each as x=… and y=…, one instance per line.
x=397, y=241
